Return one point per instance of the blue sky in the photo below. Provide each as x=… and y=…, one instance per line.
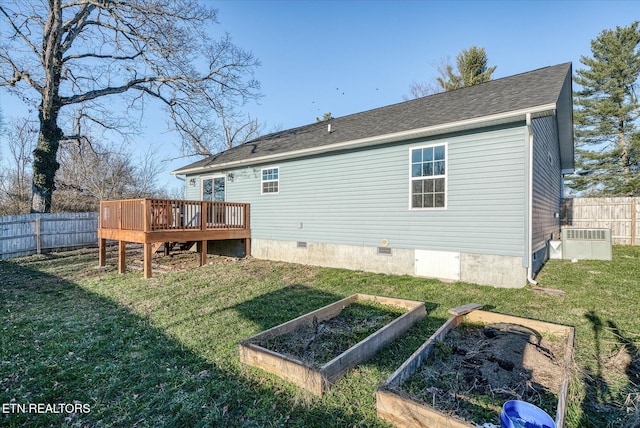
x=347, y=56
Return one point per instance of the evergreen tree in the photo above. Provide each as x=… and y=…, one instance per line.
x=449, y=80
x=472, y=70
x=325, y=117
x=472, y=66
x=606, y=115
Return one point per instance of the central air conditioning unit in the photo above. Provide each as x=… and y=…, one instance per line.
x=586, y=244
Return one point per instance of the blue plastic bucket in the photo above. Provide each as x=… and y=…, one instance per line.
x=520, y=414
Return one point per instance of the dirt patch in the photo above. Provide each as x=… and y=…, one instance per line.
x=316, y=343
x=477, y=368
x=177, y=260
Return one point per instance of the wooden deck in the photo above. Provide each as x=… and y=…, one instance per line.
x=153, y=222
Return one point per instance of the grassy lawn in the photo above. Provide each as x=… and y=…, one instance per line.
x=163, y=352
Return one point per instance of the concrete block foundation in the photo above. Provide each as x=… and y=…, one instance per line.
x=483, y=269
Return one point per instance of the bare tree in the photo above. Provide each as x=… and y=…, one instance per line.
x=15, y=191
x=145, y=175
x=90, y=172
x=84, y=52
x=423, y=89
x=232, y=130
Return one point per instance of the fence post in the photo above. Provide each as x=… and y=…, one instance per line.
x=634, y=202
x=38, y=236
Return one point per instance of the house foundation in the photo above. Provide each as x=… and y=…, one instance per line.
x=483, y=269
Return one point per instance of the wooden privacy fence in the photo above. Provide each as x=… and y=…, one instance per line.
x=620, y=214
x=26, y=234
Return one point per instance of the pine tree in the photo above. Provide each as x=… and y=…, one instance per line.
x=472, y=66
x=606, y=115
x=472, y=70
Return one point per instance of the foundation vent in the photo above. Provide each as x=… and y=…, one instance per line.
x=301, y=244
x=384, y=250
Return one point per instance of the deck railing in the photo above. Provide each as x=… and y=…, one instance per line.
x=148, y=215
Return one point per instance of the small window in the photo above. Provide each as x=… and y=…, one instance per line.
x=270, y=180
x=428, y=177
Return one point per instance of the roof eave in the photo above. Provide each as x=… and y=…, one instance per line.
x=497, y=119
x=565, y=124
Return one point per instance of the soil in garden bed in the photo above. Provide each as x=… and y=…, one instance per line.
x=316, y=343
x=477, y=368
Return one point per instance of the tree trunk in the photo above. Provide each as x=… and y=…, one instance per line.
x=45, y=163
x=625, y=158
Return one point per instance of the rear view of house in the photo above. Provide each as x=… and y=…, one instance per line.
x=462, y=185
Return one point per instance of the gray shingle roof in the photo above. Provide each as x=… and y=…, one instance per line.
x=514, y=93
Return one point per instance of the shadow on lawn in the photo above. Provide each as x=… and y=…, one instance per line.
x=604, y=403
x=63, y=344
x=282, y=305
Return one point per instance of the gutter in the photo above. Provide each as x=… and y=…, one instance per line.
x=530, y=279
x=378, y=139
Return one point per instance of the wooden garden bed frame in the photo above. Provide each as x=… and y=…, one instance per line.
x=319, y=381
x=405, y=412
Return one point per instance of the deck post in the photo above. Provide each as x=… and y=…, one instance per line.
x=147, y=215
x=247, y=247
x=102, y=252
x=122, y=256
x=203, y=253
x=247, y=216
x=148, y=255
x=203, y=215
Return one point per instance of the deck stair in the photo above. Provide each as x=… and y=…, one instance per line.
x=168, y=246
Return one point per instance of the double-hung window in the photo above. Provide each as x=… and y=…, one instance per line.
x=428, y=176
x=270, y=180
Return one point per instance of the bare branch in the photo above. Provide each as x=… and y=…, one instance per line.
x=74, y=26
x=18, y=75
x=19, y=32
x=96, y=56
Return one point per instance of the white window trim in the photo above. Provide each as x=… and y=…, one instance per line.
x=262, y=192
x=445, y=176
x=212, y=177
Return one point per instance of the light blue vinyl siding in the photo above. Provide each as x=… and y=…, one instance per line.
x=361, y=197
x=547, y=181
x=192, y=192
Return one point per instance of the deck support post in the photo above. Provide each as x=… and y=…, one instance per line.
x=122, y=256
x=148, y=255
x=247, y=247
x=102, y=252
x=203, y=253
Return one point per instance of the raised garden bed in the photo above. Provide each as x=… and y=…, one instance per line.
x=474, y=363
x=314, y=350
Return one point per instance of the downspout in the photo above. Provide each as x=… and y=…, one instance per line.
x=530, y=279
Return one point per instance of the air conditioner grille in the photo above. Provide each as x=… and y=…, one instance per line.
x=586, y=234
x=586, y=244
